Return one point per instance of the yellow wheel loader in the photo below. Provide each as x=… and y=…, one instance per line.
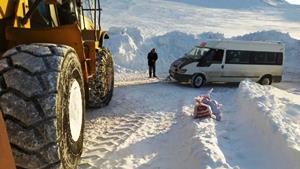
x=53, y=65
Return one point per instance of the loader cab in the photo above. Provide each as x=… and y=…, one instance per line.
x=86, y=14
x=54, y=15
x=69, y=12
x=74, y=23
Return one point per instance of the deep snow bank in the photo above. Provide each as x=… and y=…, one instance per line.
x=130, y=48
x=271, y=116
x=205, y=143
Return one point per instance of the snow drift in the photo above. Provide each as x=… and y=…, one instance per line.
x=271, y=118
x=130, y=48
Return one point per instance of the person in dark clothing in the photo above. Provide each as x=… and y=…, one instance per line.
x=152, y=57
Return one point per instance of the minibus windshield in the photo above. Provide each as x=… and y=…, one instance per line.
x=196, y=53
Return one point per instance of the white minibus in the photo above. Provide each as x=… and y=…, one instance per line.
x=230, y=61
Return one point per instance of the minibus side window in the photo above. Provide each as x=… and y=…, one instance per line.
x=206, y=59
x=267, y=58
x=253, y=57
x=259, y=58
x=218, y=57
x=279, y=58
x=238, y=57
x=271, y=58
x=214, y=56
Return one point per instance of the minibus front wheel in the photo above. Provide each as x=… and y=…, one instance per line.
x=198, y=80
x=266, y=80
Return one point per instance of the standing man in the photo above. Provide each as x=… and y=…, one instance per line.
x=152, y=57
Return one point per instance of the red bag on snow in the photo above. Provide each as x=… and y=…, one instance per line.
x=201, y=110
x=207, y=107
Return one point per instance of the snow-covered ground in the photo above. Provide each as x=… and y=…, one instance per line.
x=149, y=122
x=151, y=126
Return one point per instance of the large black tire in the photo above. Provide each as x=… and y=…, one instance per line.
x=35, y=98
x=102, y=85
x=266, y=80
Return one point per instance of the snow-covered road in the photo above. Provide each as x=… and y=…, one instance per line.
x=150, y=126
x=147, y=126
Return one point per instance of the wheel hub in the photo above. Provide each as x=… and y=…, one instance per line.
x=266, y=81
x=75, y=110
x=198, y=81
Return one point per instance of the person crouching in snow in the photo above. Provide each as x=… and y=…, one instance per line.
x=152, y=57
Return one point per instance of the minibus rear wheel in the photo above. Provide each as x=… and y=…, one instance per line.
x=266, y=80
x=198, y=80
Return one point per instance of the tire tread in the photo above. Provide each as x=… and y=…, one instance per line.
x=104, y=60
x=28, y=77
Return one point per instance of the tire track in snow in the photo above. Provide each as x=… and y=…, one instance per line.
x=124, y=131
x=103, y=141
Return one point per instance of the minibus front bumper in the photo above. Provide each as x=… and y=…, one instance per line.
x=180, y=77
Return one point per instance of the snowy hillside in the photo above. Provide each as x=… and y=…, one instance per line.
x=231, y=17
